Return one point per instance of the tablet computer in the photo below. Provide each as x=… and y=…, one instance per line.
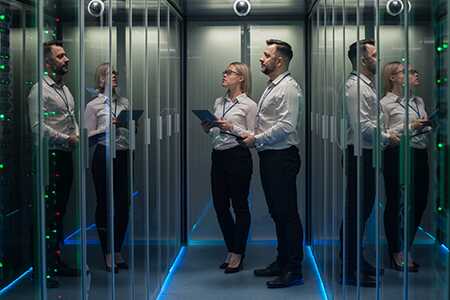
x=204, y=115
x=124, y=115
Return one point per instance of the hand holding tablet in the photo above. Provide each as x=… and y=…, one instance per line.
x=205, y=116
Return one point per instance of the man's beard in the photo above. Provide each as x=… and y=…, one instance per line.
x=266, y=69
x=372, y=69
x=61, y=70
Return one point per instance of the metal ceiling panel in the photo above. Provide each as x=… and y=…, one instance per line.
x=259, y=7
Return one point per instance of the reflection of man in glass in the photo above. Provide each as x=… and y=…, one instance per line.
x=361, y=114
x=60, y=130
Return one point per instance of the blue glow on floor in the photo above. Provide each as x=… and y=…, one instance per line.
x=429, y=235
x=443, y=247
x=66, y=240
x=27, y=272
x=15, y=282
x=176, y=264
x=316, y=270
x=202, y=215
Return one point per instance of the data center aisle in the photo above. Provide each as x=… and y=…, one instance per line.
x=198, y=276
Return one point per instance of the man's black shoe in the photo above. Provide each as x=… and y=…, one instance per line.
x=286, y=279
x=52, y=283
x=365, y=280
x=366, y=267
x=272, y=270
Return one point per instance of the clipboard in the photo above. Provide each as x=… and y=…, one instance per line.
x=123, y=117
x=205, y=115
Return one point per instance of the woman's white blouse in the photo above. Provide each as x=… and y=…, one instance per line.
x=241, y=113
x=97, y=118
x=394, y=108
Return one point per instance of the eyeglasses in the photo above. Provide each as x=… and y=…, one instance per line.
x=228, y=72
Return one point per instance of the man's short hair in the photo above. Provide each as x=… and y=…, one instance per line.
x=352, y=50
x=283, y=48
x=48, y=49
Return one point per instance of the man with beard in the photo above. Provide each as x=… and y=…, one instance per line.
x=276, y=141
x=360, y=102
x=61, y=132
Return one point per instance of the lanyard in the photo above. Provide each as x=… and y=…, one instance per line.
x=269, y=90
x=224, y=112
x=416, y=110
x=115, y=110
x=363, y=80
x=63, y=97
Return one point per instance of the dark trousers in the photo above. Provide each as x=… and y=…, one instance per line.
x=279, y=169
x=57, y=194
x=394, y=210
x=231, y=172
x=353, y=220
x=120, y=199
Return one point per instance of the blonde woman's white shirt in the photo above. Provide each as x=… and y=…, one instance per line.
x=394, y=108
x=97, y=118
x=241, y=113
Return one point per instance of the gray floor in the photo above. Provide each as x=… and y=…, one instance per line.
x=198, y=277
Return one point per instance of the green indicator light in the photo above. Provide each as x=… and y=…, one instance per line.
x=1, y=264
x=45, y=73
x=2, y=17
x=439, y=49
x=438, y=81
x=2, y=116
x=445, y=46
x=46, y=31
x=48, y=276
x=440, y=145
x=46, y=196
x=47, y=237
x=439, y=208
x=2, y=166
x=2, y=67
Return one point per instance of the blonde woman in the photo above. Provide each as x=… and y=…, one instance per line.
x=98, y=112
x=395, y=109
x=231, y=168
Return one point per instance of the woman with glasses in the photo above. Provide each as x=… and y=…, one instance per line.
x=231, y=169
x=396, y=109
x=98, y=113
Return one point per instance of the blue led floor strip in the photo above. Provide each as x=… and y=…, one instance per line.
x=202, y=215
x=16, y=281
x=172, y=270
x=27, y=272
x=66, y=240
x=323, y=292
x=443, y=246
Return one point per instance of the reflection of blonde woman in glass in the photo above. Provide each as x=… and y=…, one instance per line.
x=98, y=113
x=231, y=168
x=395, y=109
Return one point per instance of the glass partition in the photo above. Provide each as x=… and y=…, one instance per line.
x=89, y=148
x=380, y=128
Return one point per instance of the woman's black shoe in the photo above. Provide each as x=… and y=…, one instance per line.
x=229, y=270
x=122, y=265
x=110, y=269
x=223, y=266
x=399, y=267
